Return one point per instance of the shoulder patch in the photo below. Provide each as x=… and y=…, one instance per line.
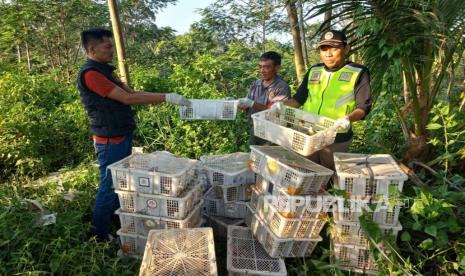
x=315, y=77
x=345, y=76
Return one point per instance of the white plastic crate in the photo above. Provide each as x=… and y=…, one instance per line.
x=209, y=110
x=179, y=252
x=288, y=170
x=368, y=176
x=279, y=247
x=228, y=169
x=295, y=129
x=159, y=205
x=353, y=258
x=352, y=233
x=154, y=173
x=132, y=245
x=133, y=223
x=349, y=210
x=216, y=207
x=232, y=193
x=291, y=206
x=220, y=225
x=246, y=256
x=284, y=227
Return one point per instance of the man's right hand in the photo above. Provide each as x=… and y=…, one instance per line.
x=177, y=99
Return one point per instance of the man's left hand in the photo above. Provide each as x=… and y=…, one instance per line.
x=342, y=123
x=245, y=103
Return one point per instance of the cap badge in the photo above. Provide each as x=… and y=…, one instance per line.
x=329, y=35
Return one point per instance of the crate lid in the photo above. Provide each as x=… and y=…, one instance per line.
x=292, y=160
x=378, y=165
x=232, y=163
x=247, y=256
x=179, y=252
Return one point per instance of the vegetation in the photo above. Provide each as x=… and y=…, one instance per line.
x=415, y=52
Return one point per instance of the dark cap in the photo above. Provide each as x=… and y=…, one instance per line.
x=333, y=38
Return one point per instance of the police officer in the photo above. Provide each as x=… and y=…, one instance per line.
x=107, y=101
x=336, y=88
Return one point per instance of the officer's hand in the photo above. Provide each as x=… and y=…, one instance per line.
x=278, y=106
x=177, y=99
x=342, y=123
x=245, y=103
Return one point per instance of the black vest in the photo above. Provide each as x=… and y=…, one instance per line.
x=108, y=118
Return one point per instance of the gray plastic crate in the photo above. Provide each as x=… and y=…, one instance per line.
x=352, y=233
x=132, y=245
x=289, y=170
x=233, y=192
x=228, y=169
x=279, y=247
x=353, y=258
x=134, y=223
x=216, y=207
x=179, y=252
x=285, y=227
x=368, y=176
x=154, y=173
x=291, y=206
x=159, y=205
x=220, y=225
x=246, y=256
x=349, y=210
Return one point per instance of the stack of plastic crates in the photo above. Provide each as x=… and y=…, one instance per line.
x=287, y=211
x=372, y=184
x=230, y=179
x=179, y=252
x=155, y=191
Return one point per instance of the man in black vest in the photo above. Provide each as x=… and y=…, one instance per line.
x=107, y=101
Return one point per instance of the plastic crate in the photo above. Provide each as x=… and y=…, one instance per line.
x=132, y=245
x=352, y=233
x=353, y=258
x=133, y=223
x=159, y=205
x=367, y=176
x=216, y=207
x=154, y=173
x=288, y=170
x=279, y=247
x=284, y=227
x=295, y=129
x=179, y=252
x=232, y=193
x=291, y=206
x=246, y=256
x=347, y=210
x=209, y=110
x=228, y=169
x=220, y=225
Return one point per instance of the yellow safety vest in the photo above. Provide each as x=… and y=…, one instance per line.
x=331, y=94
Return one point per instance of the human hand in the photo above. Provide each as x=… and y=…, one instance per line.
x=245, y=103
x=177, y=99
x=278, y=106
x=342, y=123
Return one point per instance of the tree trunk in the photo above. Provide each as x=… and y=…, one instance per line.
x=118, y=36
x=302, y=34
x=294, y=23
x=18, y=52
x=327, y=21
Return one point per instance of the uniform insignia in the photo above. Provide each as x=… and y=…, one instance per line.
x=315, y=77
x=329, y=35
x=345, y=76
